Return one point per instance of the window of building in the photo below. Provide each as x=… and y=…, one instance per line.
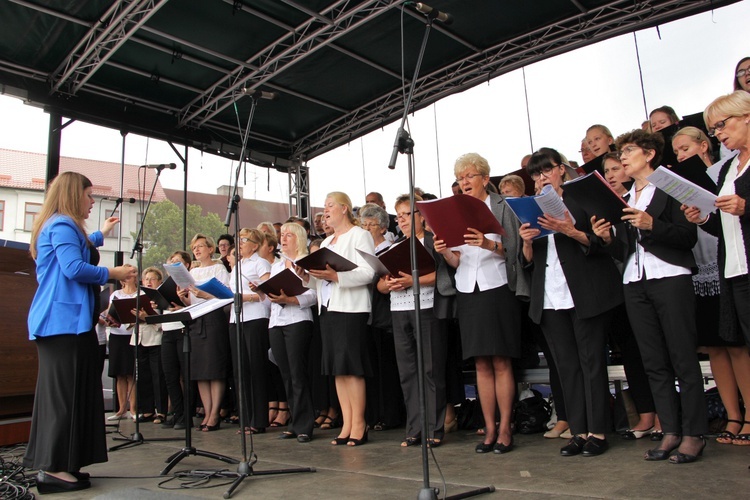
x=30, y=213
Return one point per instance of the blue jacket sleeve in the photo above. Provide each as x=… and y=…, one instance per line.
x=65, y=239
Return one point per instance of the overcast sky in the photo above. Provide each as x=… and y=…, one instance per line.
x=686, y=64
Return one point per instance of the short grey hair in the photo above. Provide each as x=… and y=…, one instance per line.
x=372, y=211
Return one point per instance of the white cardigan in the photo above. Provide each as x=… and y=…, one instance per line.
x=351, y=294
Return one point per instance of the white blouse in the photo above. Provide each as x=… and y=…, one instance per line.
x=642, y=262
x=556, y=291
x=480, y=267
x=288, y=314
x=252, y=269
x=735, y=263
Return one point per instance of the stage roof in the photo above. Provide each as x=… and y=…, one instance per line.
x=174, y=69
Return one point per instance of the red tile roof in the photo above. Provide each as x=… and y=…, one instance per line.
x=24, y=170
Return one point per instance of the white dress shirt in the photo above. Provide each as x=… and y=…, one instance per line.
x=556, y=291
x=735, y=263
x=252, y=269
x=642, y=262
x=288, y=314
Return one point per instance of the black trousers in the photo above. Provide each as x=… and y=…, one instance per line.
x=662, y=314
x=254, y=352
x=434, y=341
x=152, y=389
x=384, y=396
x=172, y=363
x=622, y=335
x=291, y=346
x=577, y=346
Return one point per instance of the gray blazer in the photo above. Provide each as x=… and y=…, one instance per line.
x=518, y=278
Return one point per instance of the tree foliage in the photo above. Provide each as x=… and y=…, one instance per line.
x=163, y=230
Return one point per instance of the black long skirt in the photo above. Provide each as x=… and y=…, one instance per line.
x=67, y=425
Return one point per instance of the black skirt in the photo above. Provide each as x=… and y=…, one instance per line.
x=490, y=323
x=121, y=356
x=344, y=337
x=67, y=426
x=209, y=338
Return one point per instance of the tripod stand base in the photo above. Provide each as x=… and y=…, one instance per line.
x=472, y=493
x=188, y=451
x=245, y=470
x=135, y=439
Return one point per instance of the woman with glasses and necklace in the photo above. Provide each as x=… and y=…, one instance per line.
x=208, y=334
x=728, y=119
x=254, y=345
x=574, y=289
x=655, y=246
x=488, y=282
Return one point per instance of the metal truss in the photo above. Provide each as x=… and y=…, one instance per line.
x=299, y=191
x=312, y=35
x=606, y=21
x=103, y=39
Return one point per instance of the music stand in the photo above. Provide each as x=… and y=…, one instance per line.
x=186, y=318
x=137, y=438
x=404, y=144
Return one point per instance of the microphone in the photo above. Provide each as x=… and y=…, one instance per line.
x=118, y=200
x=257, y=93
x=435, y=14
x=160, y=166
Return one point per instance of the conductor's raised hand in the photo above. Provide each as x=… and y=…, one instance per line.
x=109, y=225
x=122, y=273
x=327, y=274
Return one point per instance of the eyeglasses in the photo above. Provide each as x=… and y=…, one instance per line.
x=223, y=245
x=368, y=225
x=468, y=176
x=544, y=172
x=627, y=151
x=406, y=215
x=742, y=72
x=245, y=240
x=719, y=126
x=196, y=247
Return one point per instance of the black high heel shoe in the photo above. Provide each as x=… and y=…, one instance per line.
x=684, y=458
x=360, y=441
x=340, y=441
x=657, y=454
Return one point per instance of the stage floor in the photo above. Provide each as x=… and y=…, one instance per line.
x=382, y=469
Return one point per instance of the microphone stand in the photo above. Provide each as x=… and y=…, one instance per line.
x=404, y=144
x=245, y=466
x=137, y=438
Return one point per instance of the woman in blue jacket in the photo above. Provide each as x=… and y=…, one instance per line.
x=67, y=428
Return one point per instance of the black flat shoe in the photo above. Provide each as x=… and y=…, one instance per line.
x=81, y=476
x=684, y=458
x=595, y=447
x=484, y=448
x=303, y=438
x=287, y=435
x=501, y=448
x=574, y=447
x=657, y=436
x=49, y=484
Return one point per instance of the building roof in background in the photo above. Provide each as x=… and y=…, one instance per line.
x=24, y=170
x=252, y=212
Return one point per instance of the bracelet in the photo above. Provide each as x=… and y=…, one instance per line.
x=704, y=220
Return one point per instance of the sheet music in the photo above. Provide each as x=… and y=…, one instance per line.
x=683, y=190
x=551, y=203
x=180, y=274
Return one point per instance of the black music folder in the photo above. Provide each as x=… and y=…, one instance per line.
x=286, y=280
x=318, y=260
x=596, y=197
x=397, y=258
